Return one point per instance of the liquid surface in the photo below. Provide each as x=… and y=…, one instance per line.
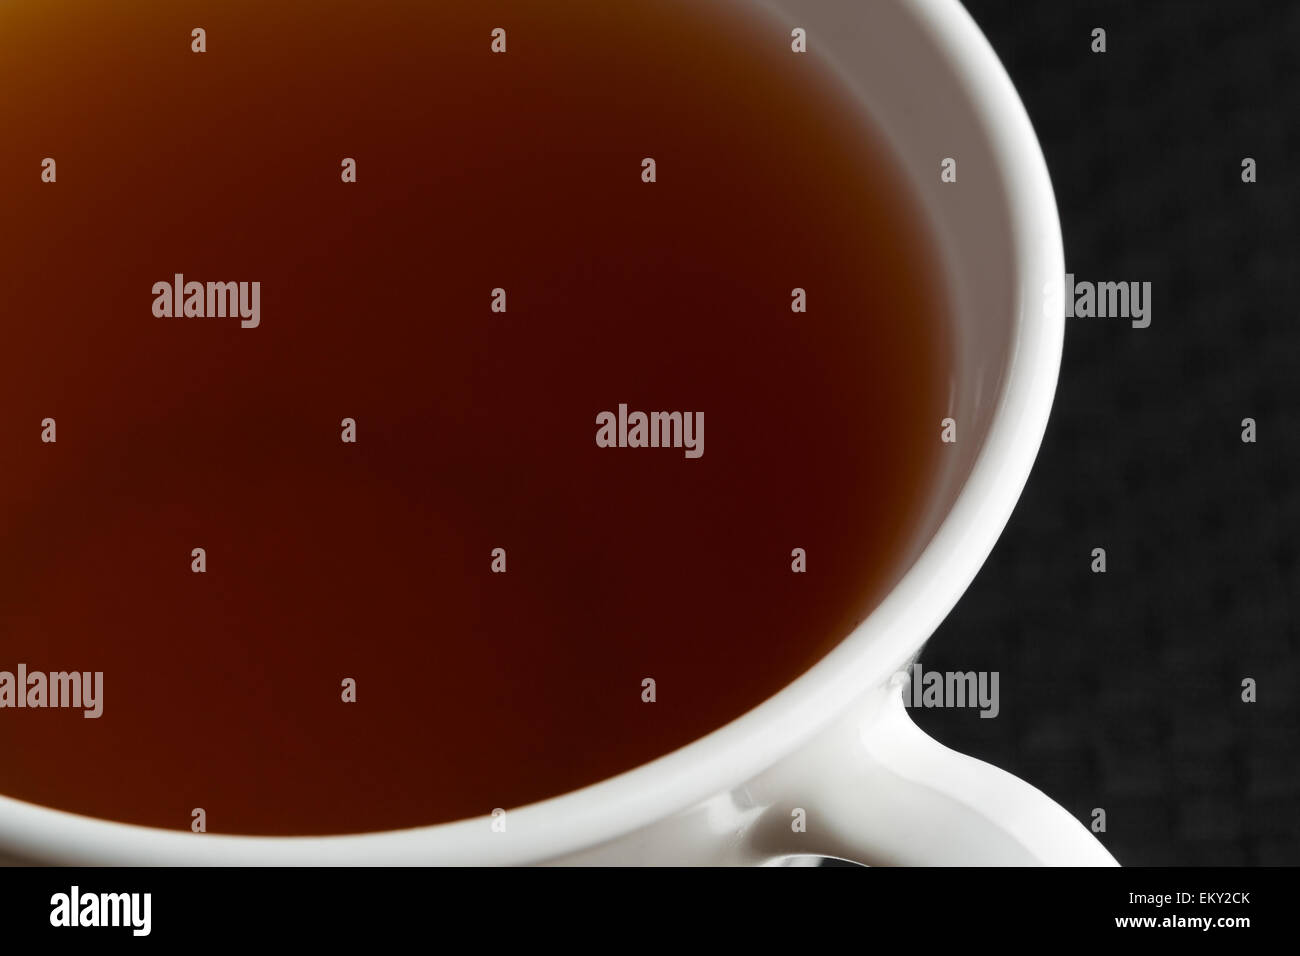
x=475, y=429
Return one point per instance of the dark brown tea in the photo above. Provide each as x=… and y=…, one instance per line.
x=376, y=420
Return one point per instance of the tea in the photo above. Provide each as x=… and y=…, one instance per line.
x=367, y=562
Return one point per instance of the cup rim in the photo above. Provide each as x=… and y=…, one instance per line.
x=754, y=741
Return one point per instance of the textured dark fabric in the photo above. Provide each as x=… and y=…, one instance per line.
x=1123, y=690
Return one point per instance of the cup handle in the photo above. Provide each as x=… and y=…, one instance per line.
x=878, y=790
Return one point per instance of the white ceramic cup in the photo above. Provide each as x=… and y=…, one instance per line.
x=837, y=743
